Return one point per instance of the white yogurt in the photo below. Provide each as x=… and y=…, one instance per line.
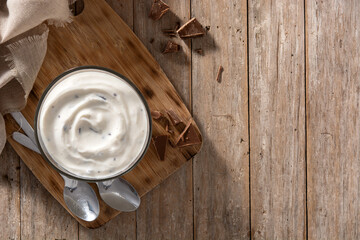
x=93, y=124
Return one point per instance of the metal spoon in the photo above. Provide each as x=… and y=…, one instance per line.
x=79, y=196
x=81, y=199
x=119, y=194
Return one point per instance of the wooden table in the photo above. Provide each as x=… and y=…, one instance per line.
x=281, y=153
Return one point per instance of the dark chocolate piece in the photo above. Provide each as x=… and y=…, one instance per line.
x=172, y=143
x=158, y=9
x=171, y=47
x=181, y=136
x=181, y=126
x=190, y=137
x=191, y=29
x=167, y=127
x=219, y=74
x=156, y=115
x=177, y=26
x=199, y=51
x=102, y=97
x=93, y=130
x=160, y=143
x=170, y=131
x=165, y=122
x=174, y=118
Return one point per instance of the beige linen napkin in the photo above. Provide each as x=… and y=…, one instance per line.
x=23, y=36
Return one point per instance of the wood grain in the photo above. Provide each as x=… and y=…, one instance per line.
x=124, y=225
x=333, y=119
x=277, y=119
x=42, y=217
x=9, y=194
x=277, y=127
x=121, y=227
x=177, y=66
x=166, y=213
x=221, y=169
x=98, y=36
x=163, y=208
x=125, y=9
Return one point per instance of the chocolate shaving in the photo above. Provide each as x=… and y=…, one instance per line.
x=158, y=9
x=156, y=115
x=219, y=74
x=160, y=145
x=161, y=119
x=172, y=143
x=164, y=122
x=171, y=47
x=167, y=128
x=174, y=118
x=199, y=51
x=181, y=136
x=190, y=137
x=191, y=29
x=181, y=126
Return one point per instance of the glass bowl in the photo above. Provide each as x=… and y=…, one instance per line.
x=47, y=156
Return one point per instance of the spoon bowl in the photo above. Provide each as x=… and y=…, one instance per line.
x=81, y=199
x=119, y=194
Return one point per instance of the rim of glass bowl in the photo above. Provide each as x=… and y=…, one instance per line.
x=53, y=162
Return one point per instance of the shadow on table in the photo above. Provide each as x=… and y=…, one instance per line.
x=221, y=183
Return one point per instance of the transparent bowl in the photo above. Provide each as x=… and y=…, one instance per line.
x=47, y=156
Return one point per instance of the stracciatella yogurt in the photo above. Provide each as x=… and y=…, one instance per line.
x=93, y=124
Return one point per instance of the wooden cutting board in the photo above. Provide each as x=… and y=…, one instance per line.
x=98, y=36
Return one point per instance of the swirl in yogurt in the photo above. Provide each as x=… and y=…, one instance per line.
x=93, y=124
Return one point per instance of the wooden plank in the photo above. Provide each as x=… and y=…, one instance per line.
x=221, y=169
x=125, y=9
x=175, y=65
x=333, y=119
x=98, y=36
x=121, y=227
x=42, y=217
x=9, y=194
x=124, y=225
x=277, y=119
x=170, y=203
x=166, y=211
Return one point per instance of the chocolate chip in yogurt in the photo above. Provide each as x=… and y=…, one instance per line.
x=96, y=124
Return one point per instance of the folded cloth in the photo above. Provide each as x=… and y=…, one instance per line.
x=23, y=37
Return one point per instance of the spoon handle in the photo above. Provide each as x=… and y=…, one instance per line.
x=89, y=213
x=25, y=141
x=24, y=124
x=70, y=183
